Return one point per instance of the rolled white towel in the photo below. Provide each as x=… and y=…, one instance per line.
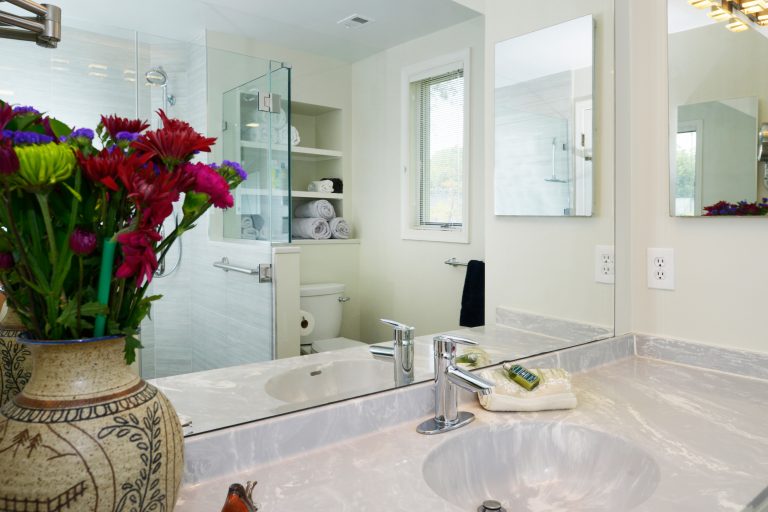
x=313, y=209
x=553, y=392
x=313, y=228
x=325, y=186
x=340, y=228
x=295, y=138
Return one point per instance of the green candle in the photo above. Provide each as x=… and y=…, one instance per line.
x=105, y=278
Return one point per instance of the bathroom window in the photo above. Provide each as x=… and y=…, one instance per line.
x=436, y=149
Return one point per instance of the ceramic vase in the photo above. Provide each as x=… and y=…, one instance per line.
x=15, y=359
x=87, y=434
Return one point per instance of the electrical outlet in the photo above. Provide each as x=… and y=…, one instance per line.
x=661, y=268
x=605, y=267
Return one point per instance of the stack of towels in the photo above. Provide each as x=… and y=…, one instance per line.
x=553, y=392
x=325, y=186
x=317, y=220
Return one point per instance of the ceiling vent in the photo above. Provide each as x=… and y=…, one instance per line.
x=355, y=21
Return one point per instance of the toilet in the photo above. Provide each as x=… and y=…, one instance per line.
x=323, y=303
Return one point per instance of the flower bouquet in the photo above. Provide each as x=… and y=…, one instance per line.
x=81, y=214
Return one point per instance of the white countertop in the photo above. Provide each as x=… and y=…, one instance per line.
x=706, y=430
x=220, y=398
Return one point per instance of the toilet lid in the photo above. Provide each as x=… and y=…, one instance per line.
x=335, y=344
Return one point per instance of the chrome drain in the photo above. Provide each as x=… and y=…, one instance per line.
x=491, y=506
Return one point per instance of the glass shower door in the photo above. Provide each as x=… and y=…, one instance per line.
x=220, y=312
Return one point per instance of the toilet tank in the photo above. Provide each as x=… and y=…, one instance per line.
x=322, y=301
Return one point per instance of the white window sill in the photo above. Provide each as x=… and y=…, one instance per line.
x=436, y=235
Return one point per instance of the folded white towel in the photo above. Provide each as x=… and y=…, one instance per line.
x=340, y=228
x=553, y=392
x=325, y=186
x=295, y=138
x=313, y=209
x=314, y=228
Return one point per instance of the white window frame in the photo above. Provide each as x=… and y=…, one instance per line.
x=409, y=195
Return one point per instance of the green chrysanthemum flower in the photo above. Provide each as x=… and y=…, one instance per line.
x=43, y=165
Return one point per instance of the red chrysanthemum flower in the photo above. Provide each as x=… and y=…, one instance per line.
x=9, y=160
x=6, y=114
x=174, y=143
x=115, y=125
x=153, y=191
x=107, y=165
x=139, y=259
x=208, y=181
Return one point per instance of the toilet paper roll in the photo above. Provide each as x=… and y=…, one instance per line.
x=307, y=323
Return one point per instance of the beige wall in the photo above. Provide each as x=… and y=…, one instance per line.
x=721, y=282
x=406, y=280
x=546, y=265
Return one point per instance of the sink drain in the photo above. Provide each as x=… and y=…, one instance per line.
x=491, y=506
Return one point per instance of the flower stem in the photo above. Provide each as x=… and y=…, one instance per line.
x=42, y=198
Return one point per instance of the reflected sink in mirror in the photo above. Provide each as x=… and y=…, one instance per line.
x=330, y=381
x=541, y=466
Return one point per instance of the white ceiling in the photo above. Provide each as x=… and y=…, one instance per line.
x=306, y=25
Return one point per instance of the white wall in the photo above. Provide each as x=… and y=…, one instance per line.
x=406, y=280
x=721, y=282
x=546, y=265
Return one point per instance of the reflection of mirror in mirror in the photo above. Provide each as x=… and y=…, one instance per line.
x=717, y=99
x=714, y=153
x=543, y=129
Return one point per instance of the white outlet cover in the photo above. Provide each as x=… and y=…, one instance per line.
x=660, y=263
x=605, y=264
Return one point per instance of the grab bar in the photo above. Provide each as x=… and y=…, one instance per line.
x=226, y=267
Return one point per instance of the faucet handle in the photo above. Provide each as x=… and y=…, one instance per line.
x=445, y=346
x=444, y=338
x=397, y=325
x=402, y=333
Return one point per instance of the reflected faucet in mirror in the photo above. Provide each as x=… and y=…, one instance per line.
x=401, y=352
x=448, y=377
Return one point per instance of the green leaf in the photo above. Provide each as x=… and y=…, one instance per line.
x=68, y=316
x=59, y=128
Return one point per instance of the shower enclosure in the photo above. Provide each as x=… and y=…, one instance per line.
x=208, y=318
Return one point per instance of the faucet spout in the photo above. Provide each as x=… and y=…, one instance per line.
x=469, y=381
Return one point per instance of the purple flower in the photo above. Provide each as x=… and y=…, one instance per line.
x=9, y=160
x=6, y=260
x=85, y=133
x=20, y=138
x=82, y=242
x=237, y=167
x=127, y=136
x=22, y=110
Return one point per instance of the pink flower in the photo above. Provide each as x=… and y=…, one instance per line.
x=208, y=181
x=82, y=242
x=139, y=259
x=9, y=160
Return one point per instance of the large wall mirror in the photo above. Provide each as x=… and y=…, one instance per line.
x=718, y=100
x=211, y=344
x=544, y=121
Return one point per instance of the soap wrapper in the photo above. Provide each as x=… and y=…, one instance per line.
x=553, y=393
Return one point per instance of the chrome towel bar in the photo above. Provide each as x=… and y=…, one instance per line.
x=455, y=263
x=226, y=267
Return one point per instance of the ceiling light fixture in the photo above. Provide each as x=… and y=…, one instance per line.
x=738, y=15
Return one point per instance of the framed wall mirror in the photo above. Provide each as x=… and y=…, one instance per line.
x=543, y=86
x=717, y=104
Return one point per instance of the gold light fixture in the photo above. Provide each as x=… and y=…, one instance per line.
x=738, y=15
x=736, y=25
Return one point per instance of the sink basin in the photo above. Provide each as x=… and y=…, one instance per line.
x=541, y=467
x=331, y=381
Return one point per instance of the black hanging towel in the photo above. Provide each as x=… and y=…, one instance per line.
x=473, y=297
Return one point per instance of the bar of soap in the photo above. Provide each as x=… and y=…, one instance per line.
x=523, y=377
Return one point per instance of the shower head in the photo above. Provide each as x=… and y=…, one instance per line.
x=156, y=76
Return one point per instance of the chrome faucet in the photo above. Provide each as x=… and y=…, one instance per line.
x=401, y=351
x=447, y=377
